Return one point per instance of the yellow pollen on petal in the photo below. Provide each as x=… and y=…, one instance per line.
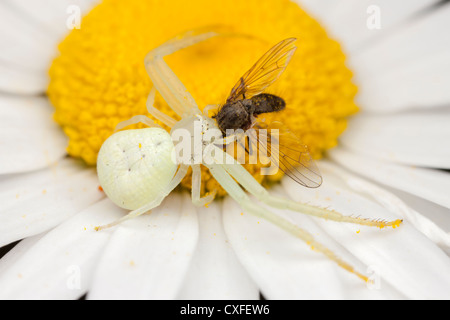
x=394, y=224
x=99, y=78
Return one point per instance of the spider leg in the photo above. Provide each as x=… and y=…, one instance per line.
x=238, y=136
x=239, y=195
x=136, y=119
x=208, y=108
x=246, y=180
x=164, y=79
x=196, y=185
x=225, y=140
x=230, y=142
x=182, y=170
x=159, y=115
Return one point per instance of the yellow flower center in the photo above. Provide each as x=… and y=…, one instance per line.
x=99, y=77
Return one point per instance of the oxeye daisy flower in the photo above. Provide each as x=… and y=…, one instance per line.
x=366, y=91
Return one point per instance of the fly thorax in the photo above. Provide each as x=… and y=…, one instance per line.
x=233, y=115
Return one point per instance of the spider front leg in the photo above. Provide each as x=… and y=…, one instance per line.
x=245, y=179
x=161, y=116
x=164, y=79
x=167, y=83
x=235, y=191
x=208, y=108
x=237, y=138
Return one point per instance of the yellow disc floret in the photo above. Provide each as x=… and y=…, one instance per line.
x=99, y=77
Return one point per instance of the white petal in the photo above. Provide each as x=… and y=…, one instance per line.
x=404, y=257
x=148, y=257
x=60, y=265
x=414, y=138
x=16, y=253
x=35, y=202
x=436, y=213
x=429, y=184
x=407, y=69
x=348, y=21
x=29, y=138
x=420, y=222
x=34, y=29
x=422, y=84
x=25, y=46
x=21, y=81
x=215, y=271
x=286, y=268
x=52, y=15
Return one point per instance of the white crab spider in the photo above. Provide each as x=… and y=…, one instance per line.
x=136, y=171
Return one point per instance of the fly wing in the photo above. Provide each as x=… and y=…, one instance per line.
x=286, y=151
x=264, y=72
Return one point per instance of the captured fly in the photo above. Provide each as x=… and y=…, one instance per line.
x=247, y=100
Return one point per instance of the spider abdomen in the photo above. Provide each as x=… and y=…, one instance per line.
x=134, y=166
